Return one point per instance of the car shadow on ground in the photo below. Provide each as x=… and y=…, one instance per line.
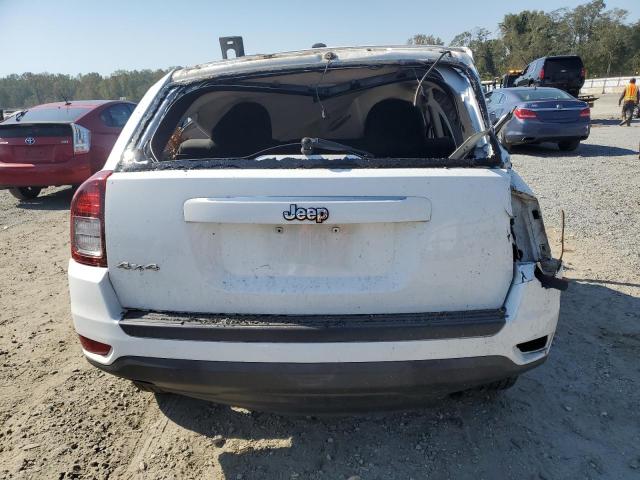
x=59, y=199
x=601, y=122
x=584, y=150
x=558, y=421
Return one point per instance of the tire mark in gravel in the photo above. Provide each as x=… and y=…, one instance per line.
x=152, y=436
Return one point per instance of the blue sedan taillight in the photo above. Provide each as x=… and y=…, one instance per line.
x=524, y=114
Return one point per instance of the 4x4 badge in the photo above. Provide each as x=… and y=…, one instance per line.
x=317, y=214
x=138, y=267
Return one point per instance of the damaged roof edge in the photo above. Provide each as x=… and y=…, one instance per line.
x=342, y=56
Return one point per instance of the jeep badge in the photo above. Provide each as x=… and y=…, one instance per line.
x=319, y=214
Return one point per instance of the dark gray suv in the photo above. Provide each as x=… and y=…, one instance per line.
x=565, y=72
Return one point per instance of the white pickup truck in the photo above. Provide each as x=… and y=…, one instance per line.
x=323, y=230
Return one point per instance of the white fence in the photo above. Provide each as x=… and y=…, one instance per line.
x=598, y=86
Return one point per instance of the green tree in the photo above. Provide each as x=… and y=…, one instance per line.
x=606, y=41
x=531, y=34
x=612, y=49
x=488, y=53
x=422, y=39
x=581, y=23
x=28, y=89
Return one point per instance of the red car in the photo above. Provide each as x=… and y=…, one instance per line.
x=56, y=144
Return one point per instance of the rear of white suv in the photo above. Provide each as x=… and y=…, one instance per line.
x=315, y=231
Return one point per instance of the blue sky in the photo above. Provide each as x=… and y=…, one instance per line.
x=80, y=36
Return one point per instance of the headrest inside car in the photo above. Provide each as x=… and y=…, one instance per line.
x=394, y=128
x=196, y=148
x=243, y=130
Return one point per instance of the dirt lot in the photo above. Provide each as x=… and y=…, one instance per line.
x=578, y=416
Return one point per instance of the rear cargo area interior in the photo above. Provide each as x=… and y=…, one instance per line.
x=367, y=109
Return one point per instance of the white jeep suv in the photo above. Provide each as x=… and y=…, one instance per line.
x=323, y=230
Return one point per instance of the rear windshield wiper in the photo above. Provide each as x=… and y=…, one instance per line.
x=471, y=142
x=310, y=145
x=20, y=114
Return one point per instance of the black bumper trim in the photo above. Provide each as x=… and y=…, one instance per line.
x=313, y=328
x=316, y=387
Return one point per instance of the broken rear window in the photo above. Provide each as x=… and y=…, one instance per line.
x=364, y=112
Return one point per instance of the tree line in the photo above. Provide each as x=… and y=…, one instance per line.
x=608, y=44
x=28, y=89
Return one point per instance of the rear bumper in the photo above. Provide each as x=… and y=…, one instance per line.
x=73, y=172
x=521, y=133
x=323, y=373
x=316, y=387
x=313, y=328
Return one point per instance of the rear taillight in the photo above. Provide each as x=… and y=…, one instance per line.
x=585, y=113
x=81, y=139
x=87, y=221
x=541, y=74
x=524, y=113
x=93, y=346
x=583, y=72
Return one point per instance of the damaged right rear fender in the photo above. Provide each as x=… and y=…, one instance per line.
x=529, y=237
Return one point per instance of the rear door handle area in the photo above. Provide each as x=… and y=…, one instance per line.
x=327, y=210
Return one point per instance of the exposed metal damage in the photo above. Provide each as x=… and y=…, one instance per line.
x=530, y=242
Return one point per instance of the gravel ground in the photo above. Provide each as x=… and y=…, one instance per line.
x=598, y=186
x=575, y=417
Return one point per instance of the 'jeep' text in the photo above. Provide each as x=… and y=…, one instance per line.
x=317, y=215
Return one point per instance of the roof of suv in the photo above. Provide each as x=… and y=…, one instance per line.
x=76, y=104
x=559, y=57
x=318, y=57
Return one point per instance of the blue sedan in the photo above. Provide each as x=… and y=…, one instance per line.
x=540, y=115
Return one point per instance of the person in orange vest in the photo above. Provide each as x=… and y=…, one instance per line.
x=631, y=97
